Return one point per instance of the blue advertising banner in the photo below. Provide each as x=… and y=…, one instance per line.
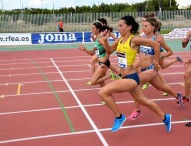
x=65, y=37
x=51, y=38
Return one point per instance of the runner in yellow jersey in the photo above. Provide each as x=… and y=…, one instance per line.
x=126, y=48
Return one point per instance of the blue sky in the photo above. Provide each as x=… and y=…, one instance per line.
x=14, y=4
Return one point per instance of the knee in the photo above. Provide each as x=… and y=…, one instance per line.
x=102, y=93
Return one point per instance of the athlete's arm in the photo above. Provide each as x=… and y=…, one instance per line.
x=163, y=44
x=90, y=52
x=186, y=40
x=136, y=42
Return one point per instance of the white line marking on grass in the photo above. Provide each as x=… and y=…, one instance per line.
x=82, y=107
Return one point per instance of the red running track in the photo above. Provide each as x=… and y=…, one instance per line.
x=45, y=101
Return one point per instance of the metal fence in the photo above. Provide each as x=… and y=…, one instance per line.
x=82, y=21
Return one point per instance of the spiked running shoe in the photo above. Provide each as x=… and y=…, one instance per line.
x=188, y=124
x=165, y=94
x=167, y=122
x=134, y=115
x=180, y=99
x=179, y=59
x=145, y=86
x=118, y=123
x=185, y=99
x=88, y=83
x=113, y=76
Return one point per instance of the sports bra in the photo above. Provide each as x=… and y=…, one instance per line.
x=148, y=49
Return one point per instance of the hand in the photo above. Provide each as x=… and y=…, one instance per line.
x=81, y=47
x=106, y=34
x=156, y=66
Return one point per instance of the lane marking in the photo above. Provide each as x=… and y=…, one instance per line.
x=78, y=71
x=62, y=91
x=172, y=66
x=85, y=132
x=57, y=97
x=87, y=105
x=183, y=54
x=19, y=89
x=81, y=106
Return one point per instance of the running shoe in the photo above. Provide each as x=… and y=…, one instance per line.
x=145, y=86
x=179, y=59
x=113, y=76
x=118, y=123
x=165, y=94
x=188, y=124
x=167, y=122
x=134, y=115
x=88, y=83
x=103, y=102
x=180, y=99
x=185, y=99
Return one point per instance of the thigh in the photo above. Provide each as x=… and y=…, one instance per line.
x=187, y=73
x=118, y=86
x=99, y=73
x=158, y=82
x=147, y=76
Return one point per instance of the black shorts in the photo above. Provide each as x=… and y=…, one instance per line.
x=61, y=30
x=107, y=63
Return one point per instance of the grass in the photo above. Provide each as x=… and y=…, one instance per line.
x=166, y=31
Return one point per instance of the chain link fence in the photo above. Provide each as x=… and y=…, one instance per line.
x=82, y=21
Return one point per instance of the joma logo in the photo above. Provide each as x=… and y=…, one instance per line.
x=57, y=37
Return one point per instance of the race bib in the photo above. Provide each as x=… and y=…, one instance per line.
x=96, y=51
x=122, y=60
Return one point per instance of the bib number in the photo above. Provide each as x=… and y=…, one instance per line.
x=122, y=60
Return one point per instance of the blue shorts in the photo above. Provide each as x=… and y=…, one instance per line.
x=148, y=68
x=133, y=76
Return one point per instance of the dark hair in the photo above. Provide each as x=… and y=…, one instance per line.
x=104, y=27
x=155, y=22
x=98, y=25
x=149, y=15
x=129, y=20
x=103, y=21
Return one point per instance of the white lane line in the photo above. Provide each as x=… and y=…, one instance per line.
x=83, y=65
x=85, y=132
x=69, y=107
x=12, y=60
x=183, y=54
x=82, y=107
x=77, y=71
x=62, y=91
